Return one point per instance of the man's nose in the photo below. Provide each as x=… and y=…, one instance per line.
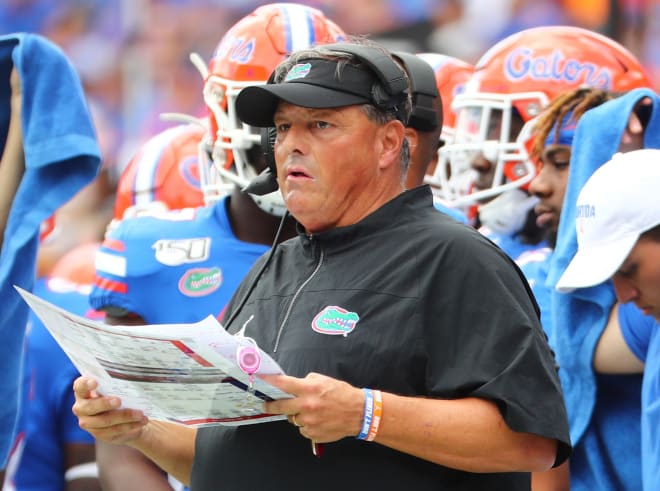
x=294, y=141
x=539, y=185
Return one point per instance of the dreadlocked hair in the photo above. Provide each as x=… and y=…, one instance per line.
x=578, y=101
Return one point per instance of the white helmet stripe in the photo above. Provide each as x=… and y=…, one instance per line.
x=299, y=27
x=145, y=176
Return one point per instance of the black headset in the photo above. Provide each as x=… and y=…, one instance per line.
x=392, y=79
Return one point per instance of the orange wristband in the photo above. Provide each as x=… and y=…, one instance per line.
x=378, y=414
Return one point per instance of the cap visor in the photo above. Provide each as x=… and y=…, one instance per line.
x=596, y=264
x=256, y=105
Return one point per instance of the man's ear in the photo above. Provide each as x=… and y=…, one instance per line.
x=392, y=137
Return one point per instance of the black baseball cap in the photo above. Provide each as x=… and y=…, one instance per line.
x=312, y=83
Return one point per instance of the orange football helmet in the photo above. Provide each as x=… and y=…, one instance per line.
x=451, y=75
x=165, y=170
x=512, y=83
x=247, y=55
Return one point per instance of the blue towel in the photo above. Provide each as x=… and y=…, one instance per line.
x=580, y=316
x=61, y=157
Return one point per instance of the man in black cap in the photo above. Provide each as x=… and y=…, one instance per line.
x=412, y=345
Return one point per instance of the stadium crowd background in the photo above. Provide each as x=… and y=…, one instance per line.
x=133, y=55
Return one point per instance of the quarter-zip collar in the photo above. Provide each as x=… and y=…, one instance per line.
x=391, y=212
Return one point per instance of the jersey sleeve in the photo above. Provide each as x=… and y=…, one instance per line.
x=120, y=248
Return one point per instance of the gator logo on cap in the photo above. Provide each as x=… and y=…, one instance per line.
x=301, y=70
x=335, y=321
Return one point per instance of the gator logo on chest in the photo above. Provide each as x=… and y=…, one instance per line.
x=198, y=282
x=335, y=321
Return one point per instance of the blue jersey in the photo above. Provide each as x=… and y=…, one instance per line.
x=535, y=264
x=512, y=245
x=177, y=267
x=642, y=334
x=47, y=421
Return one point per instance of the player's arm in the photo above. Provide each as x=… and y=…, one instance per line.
x=170, y=446
x=12, y=163
x=123, y=468
x=81, y=473
x=612, y=353
x=556, y=479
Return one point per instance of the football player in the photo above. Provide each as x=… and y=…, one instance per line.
x=512, y=83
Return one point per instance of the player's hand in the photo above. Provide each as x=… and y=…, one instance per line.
x=324, y=409
x=102, y=417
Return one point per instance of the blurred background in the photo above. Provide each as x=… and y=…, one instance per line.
x=133, y=55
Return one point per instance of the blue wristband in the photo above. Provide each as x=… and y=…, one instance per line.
x=368, y=414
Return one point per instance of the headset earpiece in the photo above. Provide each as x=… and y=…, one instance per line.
x=268, y=136
x=266, y=182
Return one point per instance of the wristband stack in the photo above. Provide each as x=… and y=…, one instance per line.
x=373, y=412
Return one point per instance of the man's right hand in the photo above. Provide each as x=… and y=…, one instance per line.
x=171, y=446
x=102, y=416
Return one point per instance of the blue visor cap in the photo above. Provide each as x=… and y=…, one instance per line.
x=311, y=83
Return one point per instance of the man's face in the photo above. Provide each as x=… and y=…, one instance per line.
x=549, y=185
x=638, y=278
x=328, y=164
